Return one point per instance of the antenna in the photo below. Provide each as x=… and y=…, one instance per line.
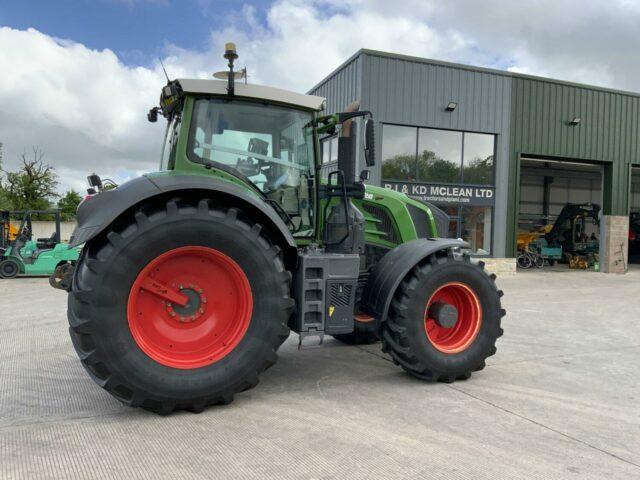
x=164, y=70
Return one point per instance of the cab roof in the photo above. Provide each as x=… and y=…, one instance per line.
x=217, y=87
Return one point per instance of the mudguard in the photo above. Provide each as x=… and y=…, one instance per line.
x=394, y=267
x=97, y=213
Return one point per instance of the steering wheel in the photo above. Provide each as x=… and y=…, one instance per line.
x=248, y=166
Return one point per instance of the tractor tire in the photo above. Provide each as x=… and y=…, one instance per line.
x=434, y=346
x=9, y=268
x=145, y=348
x=364, y=333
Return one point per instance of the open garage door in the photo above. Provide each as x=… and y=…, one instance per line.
x=559, y=213
x=634, y=217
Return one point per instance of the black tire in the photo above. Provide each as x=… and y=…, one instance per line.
x=9, y=268
x=524, y=261
x=537, y=260
x=364, y=333
x=404, y=336
x=98, y=305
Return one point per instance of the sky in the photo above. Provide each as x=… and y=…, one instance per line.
x=78, y=76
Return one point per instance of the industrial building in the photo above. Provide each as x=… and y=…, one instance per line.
x=502, y=153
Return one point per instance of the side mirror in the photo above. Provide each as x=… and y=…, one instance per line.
x=369, y=143
x=94, y=181
x=152, y=116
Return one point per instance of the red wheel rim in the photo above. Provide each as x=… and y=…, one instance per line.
x=202, y=331
x=457, y=338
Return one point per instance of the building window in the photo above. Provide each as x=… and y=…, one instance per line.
x=399, y=152
x=478, y=159
x=439, y=156
x=452, y=169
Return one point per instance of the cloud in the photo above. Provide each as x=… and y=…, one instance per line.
x=83, y=107
x=86, y=108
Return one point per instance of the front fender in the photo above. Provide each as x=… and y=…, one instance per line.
x=96, y=214
x=394, y=267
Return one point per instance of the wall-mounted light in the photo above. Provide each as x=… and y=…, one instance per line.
x=575, y=121
x=451, y=106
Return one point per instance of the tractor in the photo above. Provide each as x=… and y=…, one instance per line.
x=21, y=254
x=193, y=276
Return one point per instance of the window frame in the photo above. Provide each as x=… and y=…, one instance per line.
x=196, y=159
x=458, y=217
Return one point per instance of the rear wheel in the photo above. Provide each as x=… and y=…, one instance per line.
x=444, y=320
x=179, y=307
x=9, y=268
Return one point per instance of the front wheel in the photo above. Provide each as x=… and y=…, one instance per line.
x=444, y=319
x=524, y=260
x=9, y=268
x=180, y=306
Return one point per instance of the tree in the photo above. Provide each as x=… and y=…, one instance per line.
x=479, y=171
x=426, y=168
x=399, y=167
x=32, y=186
x=432, y=168
x=68, y=204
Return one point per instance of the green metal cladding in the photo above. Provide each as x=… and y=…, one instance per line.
x=608, y=132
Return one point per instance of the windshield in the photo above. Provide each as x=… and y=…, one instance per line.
x=269, y=145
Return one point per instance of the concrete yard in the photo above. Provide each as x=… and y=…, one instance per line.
x=561, y=399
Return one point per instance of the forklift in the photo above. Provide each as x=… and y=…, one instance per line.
x=20, y=254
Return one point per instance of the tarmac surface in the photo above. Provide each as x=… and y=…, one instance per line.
x=560, y=400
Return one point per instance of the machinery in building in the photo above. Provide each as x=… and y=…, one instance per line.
x=21, y=254
x=193, y=276
x=576, y=231
x=573, y=236
x=534, y=250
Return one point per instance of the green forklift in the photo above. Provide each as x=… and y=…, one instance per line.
x=21, y=254
x=192, y=277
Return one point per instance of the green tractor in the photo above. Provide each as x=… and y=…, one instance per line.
x=193, y=276
x=21, y=254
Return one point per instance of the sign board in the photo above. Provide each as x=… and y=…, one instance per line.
x=482, y=196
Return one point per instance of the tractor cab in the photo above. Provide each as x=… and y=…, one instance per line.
x=261, y=137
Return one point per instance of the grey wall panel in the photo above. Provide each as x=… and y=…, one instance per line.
x=416, y=91
x=342, y=87
x=402, y=91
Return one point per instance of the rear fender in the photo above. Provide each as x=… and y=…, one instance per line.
x=98, y=213
x=394, y=267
